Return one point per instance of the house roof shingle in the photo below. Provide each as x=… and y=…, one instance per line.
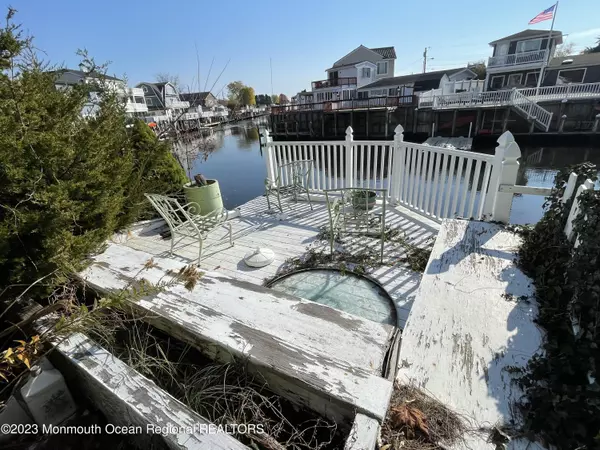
x=414, y=78
x=386, y=52
x=526, y=34
x=590, y=59
x=86, y=74
x=200, y=96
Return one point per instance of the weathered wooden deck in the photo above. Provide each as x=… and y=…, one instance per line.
x=288, y=235
x=468, y=319
x=471, y=323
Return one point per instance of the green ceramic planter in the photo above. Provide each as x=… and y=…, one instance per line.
x=364, y=199
x=208, y=197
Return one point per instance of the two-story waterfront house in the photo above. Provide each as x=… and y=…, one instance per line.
x=163, y=101
x=517, y=59
x=360, y=67
x=135, y=104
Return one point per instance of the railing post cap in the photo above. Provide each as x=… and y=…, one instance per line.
x=349, y=131
x=506, y=138
x=512, y=152
x=598, y=116
x=564, y=116
x=399, y=130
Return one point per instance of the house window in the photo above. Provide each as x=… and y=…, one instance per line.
x=531, y=79
x=382, y=68
x=139, y=99
x=497, y=82
x=570, y=76
x=532, y=45
x=514, y=79
x=145, y=89
x=366, y=72
x=392, y=92
x=502, y=49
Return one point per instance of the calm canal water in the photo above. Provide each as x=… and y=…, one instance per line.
x=233, y=156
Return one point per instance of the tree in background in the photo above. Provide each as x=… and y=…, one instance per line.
x=247, y=96
x=263, y=99
x=565, y=49
x=283, y=99
x=275, y=99
x=479, y=68
x=595, y=49
x=234, y=93
x=165, y=77
x=67, y=182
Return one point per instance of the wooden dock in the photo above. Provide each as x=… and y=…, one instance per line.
x=470, y=316
x=470, y=325
x=288, y=236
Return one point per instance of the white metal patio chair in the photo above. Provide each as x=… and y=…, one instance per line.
x=292, y=178
x=356, y=211
x=186, y=221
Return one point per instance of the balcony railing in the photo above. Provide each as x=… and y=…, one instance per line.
x=336, y=105
x=334, y=82
x=172, y=102
x=518, y=59
x=563, y=91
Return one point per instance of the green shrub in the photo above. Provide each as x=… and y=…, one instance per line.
x=155, y=170
x=562, y=402
x=66, y=182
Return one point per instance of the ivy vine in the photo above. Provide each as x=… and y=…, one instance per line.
x=561, y=406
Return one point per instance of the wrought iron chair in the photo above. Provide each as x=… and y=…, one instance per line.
x=356, y=211
x=186, y=221
x=292, y=178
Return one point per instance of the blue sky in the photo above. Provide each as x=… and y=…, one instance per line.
x=303, y=38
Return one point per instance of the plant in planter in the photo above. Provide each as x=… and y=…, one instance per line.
x=204, y=192
x=363, y=199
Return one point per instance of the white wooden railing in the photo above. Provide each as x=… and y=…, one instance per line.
x=563, y=91
x=518, y=59
x=524, y=105
x=433, y=181
x=531, y=109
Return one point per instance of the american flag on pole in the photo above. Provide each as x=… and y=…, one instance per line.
x=544, y=15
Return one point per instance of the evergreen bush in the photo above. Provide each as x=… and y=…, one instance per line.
x=67, y=182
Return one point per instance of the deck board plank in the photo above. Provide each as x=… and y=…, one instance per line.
x=289, y=235
x=463, y=333
x=329, y=360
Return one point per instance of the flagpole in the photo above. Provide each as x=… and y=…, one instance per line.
x=547, y=58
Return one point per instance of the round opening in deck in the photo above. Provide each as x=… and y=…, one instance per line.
x=345, y=291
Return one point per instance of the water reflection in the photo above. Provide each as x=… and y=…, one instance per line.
x=231, y=155
x=247, y=136
x=539, y=167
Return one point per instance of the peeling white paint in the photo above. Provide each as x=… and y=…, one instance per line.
x=128, y=398
x=467, y=325
x=319, y=348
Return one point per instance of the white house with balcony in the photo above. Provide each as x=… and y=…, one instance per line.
x=135, y=104
x=360, y=67
x=164, y=103
x=517, y=59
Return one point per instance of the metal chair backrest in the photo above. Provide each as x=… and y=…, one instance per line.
x=295, y=173
x=171, y=210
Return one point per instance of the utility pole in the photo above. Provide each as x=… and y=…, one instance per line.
x=425, y=60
